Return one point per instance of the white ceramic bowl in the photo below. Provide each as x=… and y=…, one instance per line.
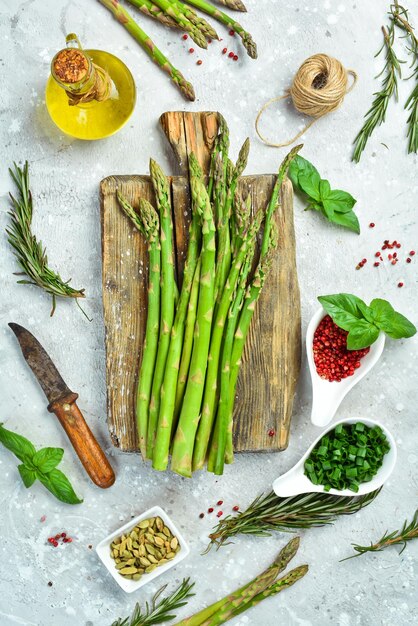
x=295, y=482
x=103, y=550
x=327, y=396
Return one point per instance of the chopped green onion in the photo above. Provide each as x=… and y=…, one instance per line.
x=349, y=455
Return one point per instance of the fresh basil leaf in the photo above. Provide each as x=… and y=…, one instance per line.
x=20, y=446
x=327, y=210
x=47, y=458
x=342, y=201
x=349, y=220
x=27, y=475
x=394, y=324
x=344, y=308
x=305, y=176
x=314, y=206
x=58, y=484
x=310, y=185
x=324, y=189
x=362, y=334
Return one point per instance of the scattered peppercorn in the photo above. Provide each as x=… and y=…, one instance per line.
x=199, y=62
x=376, y=264
x=225, y=50
x=50, y=584
x=90, y=547
x=400, y=284
x=209, y=40
x=210, y=510
x=191, y=50
x=202, y=515
x=220, y=503
x=412, y=253
x=219, y=514
x=372, y=224
x=235, y=508
x=271, y=432
x=232, y=32
x=408, y=260
x=333, y=361
x=185, y=37
x=231, y=55
x=43, y=518
x=235, y=57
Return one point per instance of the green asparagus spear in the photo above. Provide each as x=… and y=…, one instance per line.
x=279, y=585
x=150, y=48
x=149, y=8
x=221, y=145
x=162, y=194
x=226, y=402
x=186, y=353
x=209, y=399
x=147, y=223
x=263, y=581
x=168, y=389
x=171, y=8
x=222, y=17
x=235, y=5
x=189, y=416
x=200, y=23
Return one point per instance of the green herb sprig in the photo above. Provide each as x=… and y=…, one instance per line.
x=30, y=252
x=159, y=611
x=269, y=513
x=335, y=205
x=391, y=73
x=408, y=532
x=365, y=323
x=39, y=465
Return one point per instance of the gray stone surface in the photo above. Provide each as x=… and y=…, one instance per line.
x=376, y=589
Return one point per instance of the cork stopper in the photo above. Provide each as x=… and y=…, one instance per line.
x=70, y=65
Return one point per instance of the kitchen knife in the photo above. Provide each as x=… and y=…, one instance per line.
x=62, y=402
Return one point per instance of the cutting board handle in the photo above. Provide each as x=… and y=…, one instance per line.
x=191, y=132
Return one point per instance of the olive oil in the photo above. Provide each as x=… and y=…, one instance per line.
x=74, y=103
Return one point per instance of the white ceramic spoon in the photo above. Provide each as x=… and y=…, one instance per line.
x=295, y=482
x=327, y=396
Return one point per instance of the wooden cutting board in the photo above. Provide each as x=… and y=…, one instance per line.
x=271, y=365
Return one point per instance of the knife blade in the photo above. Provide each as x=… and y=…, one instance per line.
x=62, y=402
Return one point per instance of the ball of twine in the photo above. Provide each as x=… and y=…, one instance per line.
x=319, y=87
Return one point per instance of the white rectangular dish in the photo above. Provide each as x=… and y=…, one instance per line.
x=103, y=550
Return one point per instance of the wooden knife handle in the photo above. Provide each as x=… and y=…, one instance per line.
x=84, y=442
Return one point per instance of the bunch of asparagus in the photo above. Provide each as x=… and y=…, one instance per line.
x=177, y=14
x=263, y=586
x=195, y=339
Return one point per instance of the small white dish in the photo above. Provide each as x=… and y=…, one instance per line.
x=103, y=550
x=294, y=482
x=327, y=396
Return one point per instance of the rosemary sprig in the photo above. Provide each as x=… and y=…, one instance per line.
x=159, y=611
x=30, y=253
x=376, y=115
x=271, y=513
x=400, y=17
x=407, y=532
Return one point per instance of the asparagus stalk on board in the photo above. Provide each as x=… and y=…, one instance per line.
x=122, y=15
x=236, y=5
x=186, y=353
x=209, y=399
x=207, y=29
x=228, y=21
x=168, y=294
x=148, y=224
x=151, y=10
x=245, y=594
x=181, y=461
x=169, y=386
x=172, y=9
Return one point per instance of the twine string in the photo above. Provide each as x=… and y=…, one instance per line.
x=319, y=87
